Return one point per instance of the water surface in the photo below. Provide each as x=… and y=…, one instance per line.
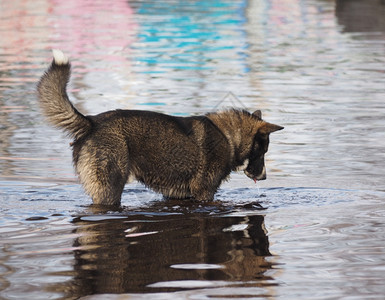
x=313, y=230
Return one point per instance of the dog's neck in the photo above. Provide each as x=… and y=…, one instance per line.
x=239, y=127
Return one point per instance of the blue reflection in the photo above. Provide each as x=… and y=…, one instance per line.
x=189, y=35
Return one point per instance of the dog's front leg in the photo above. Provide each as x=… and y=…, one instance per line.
x=203, y=194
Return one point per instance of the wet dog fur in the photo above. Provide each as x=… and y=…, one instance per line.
x=179, y=157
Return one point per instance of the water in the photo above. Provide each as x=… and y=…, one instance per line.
x=313, y=230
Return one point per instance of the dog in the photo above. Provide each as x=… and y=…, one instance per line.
x=179, y=157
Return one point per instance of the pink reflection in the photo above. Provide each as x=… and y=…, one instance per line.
x=289, y=15
x=97, y=29
x=95, y=34
x=87, y=26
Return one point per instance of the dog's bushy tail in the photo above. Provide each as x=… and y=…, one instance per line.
x=54, y=101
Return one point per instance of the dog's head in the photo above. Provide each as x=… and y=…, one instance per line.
x=256, y=160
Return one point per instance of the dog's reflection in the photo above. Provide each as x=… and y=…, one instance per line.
x=127, y=253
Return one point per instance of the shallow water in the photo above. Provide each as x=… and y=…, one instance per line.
x=313, y=230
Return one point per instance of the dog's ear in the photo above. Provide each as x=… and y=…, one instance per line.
x=258, y=114
x=267, y=128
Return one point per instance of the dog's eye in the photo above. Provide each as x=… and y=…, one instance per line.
x=261, y=144
x=258, y=141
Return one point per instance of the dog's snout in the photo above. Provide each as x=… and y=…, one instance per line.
x=262, y=176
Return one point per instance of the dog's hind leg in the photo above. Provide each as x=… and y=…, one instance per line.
x=103, y=175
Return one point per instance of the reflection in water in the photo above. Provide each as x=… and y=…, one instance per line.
x=145, y=252
x=361, y=16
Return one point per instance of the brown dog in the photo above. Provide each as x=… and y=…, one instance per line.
x=179, y=157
